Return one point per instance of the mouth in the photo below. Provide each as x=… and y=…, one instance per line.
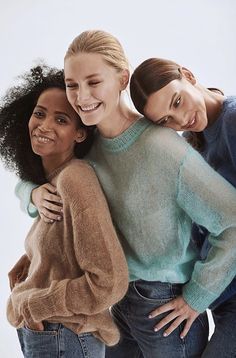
x=191, y=122
x=90, y=108
x=42, y=139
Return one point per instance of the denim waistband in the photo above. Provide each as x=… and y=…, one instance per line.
x=157, y=288
x=48, y=326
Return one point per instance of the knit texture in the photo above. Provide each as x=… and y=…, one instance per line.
x=77, y=268
x=156, y=186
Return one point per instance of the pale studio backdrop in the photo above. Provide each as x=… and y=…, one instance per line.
x=198, y=34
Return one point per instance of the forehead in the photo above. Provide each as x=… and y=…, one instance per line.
x=54, y=99
x=85, y=64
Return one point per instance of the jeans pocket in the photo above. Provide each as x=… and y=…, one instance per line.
x=44, y=332
x=148, y=296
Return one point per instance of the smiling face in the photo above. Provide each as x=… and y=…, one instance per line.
x=179, y=105
x=93, y=87
x=54, y=127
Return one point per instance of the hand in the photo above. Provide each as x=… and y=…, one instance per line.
x=19, y=272
x=180, y=311
x=35, y=326
x=48, y=203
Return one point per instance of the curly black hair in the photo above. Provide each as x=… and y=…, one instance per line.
x=16, y=108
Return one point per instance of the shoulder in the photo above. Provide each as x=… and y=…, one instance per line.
x=165, y=141
x=229, y=112
x=78, y=172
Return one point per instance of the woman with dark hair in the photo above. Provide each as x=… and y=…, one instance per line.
x=148, y=175
x=77, y=269
x=169, y=95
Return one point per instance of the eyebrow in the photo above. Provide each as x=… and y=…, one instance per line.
x=172, y=99
x=57, y=112
x=171, y=103
x=87, y=77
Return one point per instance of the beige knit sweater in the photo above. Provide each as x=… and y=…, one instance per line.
x=77, y=268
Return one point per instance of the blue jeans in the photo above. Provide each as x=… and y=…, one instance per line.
x=138, y=339
x=223, y=340
x=58, y=341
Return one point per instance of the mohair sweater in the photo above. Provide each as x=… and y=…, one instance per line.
x=156, y=185
x=77, y=268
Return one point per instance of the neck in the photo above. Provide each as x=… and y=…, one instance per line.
x=214, y=101
x=51, y=164
x=122, y=119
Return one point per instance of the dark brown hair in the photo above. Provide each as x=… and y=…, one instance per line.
x=149, y=77
x=16, y=108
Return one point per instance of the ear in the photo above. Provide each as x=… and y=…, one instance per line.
x=188, y=75
x=81, y=135
x=124, y=79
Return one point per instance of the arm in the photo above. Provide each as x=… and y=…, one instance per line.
x=210, y=201
x=23, y=191
x=98, y=252
x=39, y=200
x=19, y=272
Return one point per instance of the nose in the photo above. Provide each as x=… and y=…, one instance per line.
x=46, y=125
x=83, y=94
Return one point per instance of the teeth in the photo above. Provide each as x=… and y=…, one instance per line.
x=90, y=107
x=43, y=139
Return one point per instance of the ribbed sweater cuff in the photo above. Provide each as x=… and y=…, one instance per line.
x=23, y=191
x=43, y=306
x=197, y=296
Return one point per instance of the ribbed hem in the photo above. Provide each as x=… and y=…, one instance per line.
x=23, y=191
x=127, y=138
x=197, y=296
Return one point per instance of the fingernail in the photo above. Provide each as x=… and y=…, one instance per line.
x=182, y=337
x=59, y=218
x=150, y=316
x=165, y=334
x=155, y=329
x=51, y=221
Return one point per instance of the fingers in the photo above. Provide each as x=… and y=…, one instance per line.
x=180, y=311
x=35, y=326
x=187, y=327
x=48, y=203
x=162, y=309
x=173, y=326
x=49, y=217
x=51, y=206
x=170, y=317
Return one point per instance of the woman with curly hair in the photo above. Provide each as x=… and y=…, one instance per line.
x=77, y=269
x=156, y=185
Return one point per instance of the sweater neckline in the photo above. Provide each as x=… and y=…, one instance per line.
x=57, y=170
x=125, y=139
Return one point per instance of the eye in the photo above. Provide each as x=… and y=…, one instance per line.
x=177, y=102
x=38, y=114
x=163, y=121
x=71, y=85
x=61, y=120
x=94, y=83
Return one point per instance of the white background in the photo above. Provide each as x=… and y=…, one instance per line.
x=198, y=34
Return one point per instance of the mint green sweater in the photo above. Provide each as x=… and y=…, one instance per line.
x=156, y=185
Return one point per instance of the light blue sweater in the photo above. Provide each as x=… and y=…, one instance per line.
x=156, y=185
